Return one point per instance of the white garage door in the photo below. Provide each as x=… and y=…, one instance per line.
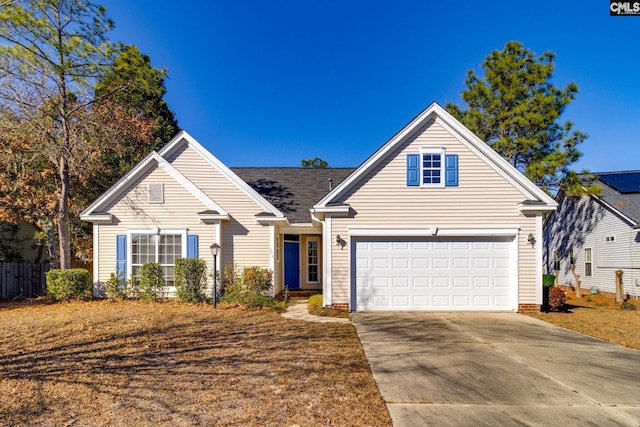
x=433, y=274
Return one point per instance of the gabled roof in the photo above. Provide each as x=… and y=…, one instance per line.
x=293, y=191
x=94, y=211
x=620, y=193
x=183, y=136
x=435, y=112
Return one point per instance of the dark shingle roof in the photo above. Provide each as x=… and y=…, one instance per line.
x=293, y=190
x=623, y=198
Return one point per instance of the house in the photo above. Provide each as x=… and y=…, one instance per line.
x=18, y=243
x=600, y=234
x=433, y=220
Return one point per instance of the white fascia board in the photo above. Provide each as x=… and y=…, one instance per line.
x=191, y=187
x=119, y=186
x=213, y=217
x=377, y=156
x=436, y=112
x=221, y=167
x=96, y=217
x=432, y=232
x=472, y=140
x=616, y=211
x=537, y=208
x=331, y=209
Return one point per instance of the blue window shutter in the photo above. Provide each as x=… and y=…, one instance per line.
x=451, y=170
x=413, y=170
x=192, y=246
x=121, y=254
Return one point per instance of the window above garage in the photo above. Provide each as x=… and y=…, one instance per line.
x=432, y=167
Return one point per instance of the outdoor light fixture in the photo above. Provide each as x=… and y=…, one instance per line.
x=215, y=251
x=338, y=240
x=531, y=239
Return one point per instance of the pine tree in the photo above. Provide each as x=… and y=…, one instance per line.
x=515, y=109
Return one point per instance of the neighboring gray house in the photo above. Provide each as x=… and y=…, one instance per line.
x=602, y=233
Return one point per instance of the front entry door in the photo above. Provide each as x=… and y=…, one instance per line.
x=292, y=265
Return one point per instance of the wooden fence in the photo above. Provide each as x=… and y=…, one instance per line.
x=22, y=280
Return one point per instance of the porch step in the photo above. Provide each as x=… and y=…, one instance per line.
x=300, y=293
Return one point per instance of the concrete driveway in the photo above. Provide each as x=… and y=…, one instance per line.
x=497, y=369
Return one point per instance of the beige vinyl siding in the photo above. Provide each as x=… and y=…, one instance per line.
x=244, y=242
x=134, y=212
x=482, y=199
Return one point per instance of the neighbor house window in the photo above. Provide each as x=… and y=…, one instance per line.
x=312, y=260
x=587, y=262
x=609, y=239
x=161, y=248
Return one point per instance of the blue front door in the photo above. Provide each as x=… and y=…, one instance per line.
x=292, y=265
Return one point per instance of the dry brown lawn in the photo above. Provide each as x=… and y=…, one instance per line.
x=599, y=316
x=103, y=363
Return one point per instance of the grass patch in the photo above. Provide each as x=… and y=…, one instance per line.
x=598, y=316
x=315, y=308
x=105, y=363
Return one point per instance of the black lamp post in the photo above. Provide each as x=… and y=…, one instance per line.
x=215, y=251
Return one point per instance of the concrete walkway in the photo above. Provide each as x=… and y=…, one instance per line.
x=297, y=309
x=497, y=369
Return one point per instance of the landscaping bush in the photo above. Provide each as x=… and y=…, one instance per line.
x=257, y=279
x=67, y=284
x=557, y=298
x=117, y=286
x=191, y=279
x=315, y=302
x=249, y=289
x=151, y=280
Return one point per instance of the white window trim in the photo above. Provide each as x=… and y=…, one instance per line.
x=182, y=232
x=590, y=262
x=160, y=187
x=432, y=150
x=317, y=241
x=610, y=239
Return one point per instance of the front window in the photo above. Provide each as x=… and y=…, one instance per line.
x=312, y=261
x=587, y=262
x=161, y=248
x=432, y=167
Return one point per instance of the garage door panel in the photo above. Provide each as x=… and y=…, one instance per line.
x=433, y=274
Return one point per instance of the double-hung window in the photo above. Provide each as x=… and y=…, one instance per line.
x=588, y=264
x=162, y=248
x=432, y=168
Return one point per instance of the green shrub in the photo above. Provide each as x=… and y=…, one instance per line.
x=249, y=289
x=191, y=279
x=627, y=305
x=315, y=302
x=257, y=279
x=557, y=298
x=151, y=280
x=117, y=286
x=231, y=283
x=71, y=283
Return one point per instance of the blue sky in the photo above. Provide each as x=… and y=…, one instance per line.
x=268, y=83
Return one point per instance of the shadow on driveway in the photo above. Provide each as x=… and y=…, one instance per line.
x=457, y=369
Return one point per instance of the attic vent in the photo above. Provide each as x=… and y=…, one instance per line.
x=156, y=192
x=610, y=239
